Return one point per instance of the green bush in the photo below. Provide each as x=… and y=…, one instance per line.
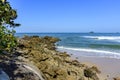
x=7, y=25
x=7, y=39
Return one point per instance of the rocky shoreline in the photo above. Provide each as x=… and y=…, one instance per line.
x=36, y=58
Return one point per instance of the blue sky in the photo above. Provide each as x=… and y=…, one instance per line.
x=67, y=15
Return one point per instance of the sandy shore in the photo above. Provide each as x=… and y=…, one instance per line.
x=109, y=67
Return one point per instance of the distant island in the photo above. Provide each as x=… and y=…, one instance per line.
x=91, y=32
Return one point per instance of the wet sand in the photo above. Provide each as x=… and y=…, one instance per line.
x=109, y=67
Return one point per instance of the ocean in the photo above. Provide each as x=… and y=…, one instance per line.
x=86, y=44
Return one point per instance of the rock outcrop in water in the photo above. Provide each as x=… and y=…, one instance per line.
x=36, y=58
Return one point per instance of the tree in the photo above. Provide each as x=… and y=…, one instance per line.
x=7, y=16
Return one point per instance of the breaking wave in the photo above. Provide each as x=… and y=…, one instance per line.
x=93, y=52
x=111, y=38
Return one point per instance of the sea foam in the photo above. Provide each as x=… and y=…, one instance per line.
x=99, y=53
x=111, y=38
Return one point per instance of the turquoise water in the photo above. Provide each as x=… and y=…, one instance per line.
x=97, y=44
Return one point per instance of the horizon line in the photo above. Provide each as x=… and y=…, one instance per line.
x=92, y=32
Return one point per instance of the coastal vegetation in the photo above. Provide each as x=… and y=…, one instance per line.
x=7, y=17
x=34, y=57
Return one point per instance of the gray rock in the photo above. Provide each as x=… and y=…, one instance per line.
x=3, y=75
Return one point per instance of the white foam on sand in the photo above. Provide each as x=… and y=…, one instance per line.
x=107, y=62
x=91, y=52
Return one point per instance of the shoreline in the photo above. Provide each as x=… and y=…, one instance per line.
x=50, y=64
x=109, y=67
x=36, y=58
x=90, y=52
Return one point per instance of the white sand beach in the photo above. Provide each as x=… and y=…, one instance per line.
x=109, y=67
